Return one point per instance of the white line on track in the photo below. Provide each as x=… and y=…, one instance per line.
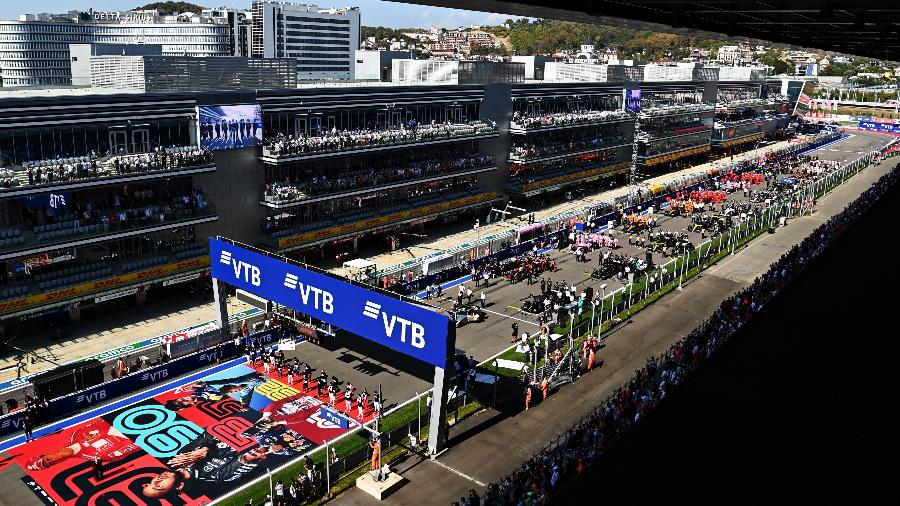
x=508, y=316
x=454, y=471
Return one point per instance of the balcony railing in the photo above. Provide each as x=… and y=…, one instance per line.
x=76, y=229
x=289, y=148
x=526, y=123
x=338, y=185
x=676, y=109
x=564, y=176
x=543, y=153
x=87, y=279
x=38, y=176
x=675, y=154
x=370, y=219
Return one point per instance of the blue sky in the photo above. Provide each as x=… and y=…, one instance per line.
x=374, y=12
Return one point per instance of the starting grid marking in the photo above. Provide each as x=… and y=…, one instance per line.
x=511, y=317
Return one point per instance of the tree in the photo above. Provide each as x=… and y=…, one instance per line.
x=775, y=59
x=172, y=7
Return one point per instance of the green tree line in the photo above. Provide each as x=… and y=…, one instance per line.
x=545, y=37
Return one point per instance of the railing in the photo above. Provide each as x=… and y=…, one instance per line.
x=84, y=169
x=361, y=181
x=374, y=218
x=330, y=471
x=360, y=140
x=109, y=222
x=142, y=355
x=566, y=149
x=494, y=244
x=562, y=120
x=670, y=110
x=561, y=441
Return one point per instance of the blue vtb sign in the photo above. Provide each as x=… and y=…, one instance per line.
x=334, y=417
x=890, y=128
x=408, y=328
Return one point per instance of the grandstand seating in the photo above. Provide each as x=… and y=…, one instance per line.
x=72, y=276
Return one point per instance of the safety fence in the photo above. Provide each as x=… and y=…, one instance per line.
x=414, y=275
x=609, y=308
x=561, y=446
x=350, y=451
x=142, y=371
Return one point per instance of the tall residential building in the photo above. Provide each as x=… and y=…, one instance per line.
x=323, y=41
x=34, y=50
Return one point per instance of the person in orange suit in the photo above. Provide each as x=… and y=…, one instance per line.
x=376, y=450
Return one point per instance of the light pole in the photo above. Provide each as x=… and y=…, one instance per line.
x=327, y=470
x=496, y=378
x=602, y=298
x=630, y=286
x=731, y=238
x=612, y=304
x=419, y=414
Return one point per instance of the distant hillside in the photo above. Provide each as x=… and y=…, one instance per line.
x=545, y=36
x=172, y=7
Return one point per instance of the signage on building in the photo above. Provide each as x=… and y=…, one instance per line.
x=123, y=16
x=181, y=279
x=117, y=295
x=408, y=328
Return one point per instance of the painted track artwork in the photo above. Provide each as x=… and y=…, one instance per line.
x=188, y=445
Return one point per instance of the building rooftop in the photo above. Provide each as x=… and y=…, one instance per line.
x=73, y=91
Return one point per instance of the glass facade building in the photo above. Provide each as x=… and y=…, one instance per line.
x=35, y=51
x=323, y=41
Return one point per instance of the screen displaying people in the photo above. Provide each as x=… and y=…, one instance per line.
x=230, y=126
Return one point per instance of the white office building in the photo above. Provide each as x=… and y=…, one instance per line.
x=34, y=50
x=240, y=22
x=323, y=41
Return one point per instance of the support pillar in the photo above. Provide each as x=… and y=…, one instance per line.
x=437, y=427
x=222, y=308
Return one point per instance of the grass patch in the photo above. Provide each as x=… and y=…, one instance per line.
x=500, y=371
x=350, y=444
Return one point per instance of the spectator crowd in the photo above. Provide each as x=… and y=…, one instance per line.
x=60, y=169
x=535, y=481
x=529, y=120
x=327, y=183
x=338, y=140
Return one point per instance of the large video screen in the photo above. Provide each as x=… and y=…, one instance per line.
x=230, y=126
x=633, y=100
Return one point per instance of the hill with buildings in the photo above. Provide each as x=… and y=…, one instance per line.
x=171, y=7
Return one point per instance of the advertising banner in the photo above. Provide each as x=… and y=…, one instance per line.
x=188, y=445
x=382, y=220
x=54, y=204
x=8, y=306
x=890, y=128
x=401, y=326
